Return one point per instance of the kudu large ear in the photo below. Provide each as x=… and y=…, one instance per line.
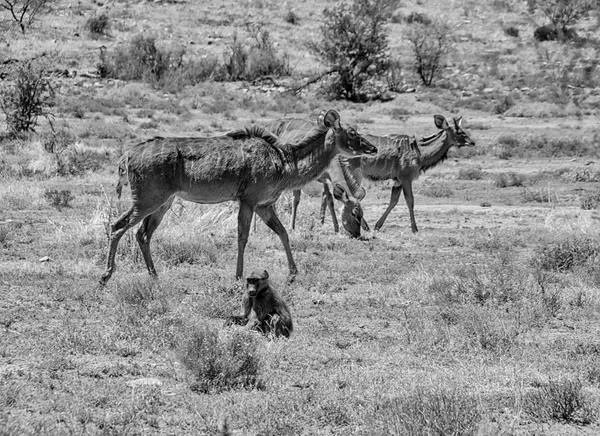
x=457, y=122
x=440, y=122
x=340, y=193
x=330, y=119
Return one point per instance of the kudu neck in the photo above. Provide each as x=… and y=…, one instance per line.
x=435, y=150
x=311, y=156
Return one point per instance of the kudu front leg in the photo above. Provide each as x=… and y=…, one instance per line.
x=327, y=202
x=268, y=215
x=410, y=202
x=145, y=232
x=297, y=194
x=244, y=221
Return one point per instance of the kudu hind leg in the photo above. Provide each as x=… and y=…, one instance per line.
x=244, y=222
x=268, y=215
x=410, y=202
x=393, y=202
x=118, y=229
x=327, y=202
x=145, y=232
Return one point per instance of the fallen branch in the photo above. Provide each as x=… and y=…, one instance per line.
x=314, y=80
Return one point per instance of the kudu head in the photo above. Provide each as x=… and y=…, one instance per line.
x=457, y=135
x=352, y=212
x=346, y=138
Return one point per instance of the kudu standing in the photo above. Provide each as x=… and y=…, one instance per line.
x=402, y=160
x=336, y=179
x=250, y=165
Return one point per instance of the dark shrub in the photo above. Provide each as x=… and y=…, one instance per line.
x=545, y=33
x=98, y=25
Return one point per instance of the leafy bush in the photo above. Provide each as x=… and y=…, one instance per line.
x=561, y=13
x=261, y=59
x=418, y=18
x=59, y=198
x=507, y=180
x=431, y=45
x=27, y=98
x=569, y=252
x=470, y=174
x=353, y=44
x=562, y=400
x=98, y=24
x=219, y=364
x=429, y=411
x=291, y=17
x=512, y=31
x=590, y=200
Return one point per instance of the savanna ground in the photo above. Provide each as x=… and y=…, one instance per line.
x=485, y=322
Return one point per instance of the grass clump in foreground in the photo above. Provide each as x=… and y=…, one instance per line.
x=221, y=363
x=567, y=253
x=562, y=400
x=428, y=412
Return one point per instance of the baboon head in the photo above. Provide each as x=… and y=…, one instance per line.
x=346, y=138
x=257, y=282
x=352, y=212
x=460, y=137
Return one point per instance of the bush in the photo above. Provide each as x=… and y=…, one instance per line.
x=98, y=25
x=437, y=191
x=428, y=412
x=505, y=104
x=590, y=200
x=186, y=252
x=291, y=17
x=353, y=44
x=59, y=199
x=431, y=45
x=261, y=59
x=562, y=400
x=561, y=13
x=470, y=174
x=539, y=196
x=27, y=98
x=512, y=31
x=418, y=18
x=507, y=180
x=567, y=253
x=220, y=364
x=24, y=12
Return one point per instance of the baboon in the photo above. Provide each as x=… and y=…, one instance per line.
x=264, y=310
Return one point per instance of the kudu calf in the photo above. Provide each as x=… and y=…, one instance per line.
x=250, y=165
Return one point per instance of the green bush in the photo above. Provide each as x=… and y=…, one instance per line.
x=431, y=412
x=353, y=44
x=220, y=364
x=507, y=180
x=569, y=252
x=470, y=174
x=26, y=98
x=98, y=24
x=562, y=400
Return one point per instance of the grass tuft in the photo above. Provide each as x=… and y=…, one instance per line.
x=560, y=400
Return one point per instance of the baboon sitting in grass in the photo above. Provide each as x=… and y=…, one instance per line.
x=264, y=310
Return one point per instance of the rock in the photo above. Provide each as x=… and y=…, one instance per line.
x=45, y=259
x=146, y=381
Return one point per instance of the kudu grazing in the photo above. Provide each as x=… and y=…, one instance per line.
x=250, y=165
x=336, y=179
x=402, y=160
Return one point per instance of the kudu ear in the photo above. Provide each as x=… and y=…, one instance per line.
x=457, y=122
x=330, y=119
x=440, y=122
x=265, y=275
x=340, y=193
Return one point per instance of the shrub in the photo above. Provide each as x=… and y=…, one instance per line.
x=562, y=400
x=590, y=200
x=24, y=12
x=428, y=412
x=507, y=180
x=564, y=255
x=261, y=59
x=418, y=18
x=353, y=44
x=512, y=31
x=220, y=364
x=437, y=191
x=27, y=98
x=505, y=104
x=186, y=252
x=544, y=33
x=291, y=17
x=59, y=199
x=470, y=174
x=431, y=45
x=98, y=25
x=561, y=13
x=539, y=195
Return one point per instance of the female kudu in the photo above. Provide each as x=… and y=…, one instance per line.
x=250, y=165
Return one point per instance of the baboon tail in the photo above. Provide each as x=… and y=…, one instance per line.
x=122, y=169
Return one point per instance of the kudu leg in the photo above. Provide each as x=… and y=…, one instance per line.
x=393, y=202
x=244, y=222
x=267, y=213
x=410, y=202
x=118, y=229
x=297, y=194
x=145, y=232
x=327, y=202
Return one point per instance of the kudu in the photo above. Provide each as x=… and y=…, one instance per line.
x=250, y=165
x=336, y=179
x=402, y=160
